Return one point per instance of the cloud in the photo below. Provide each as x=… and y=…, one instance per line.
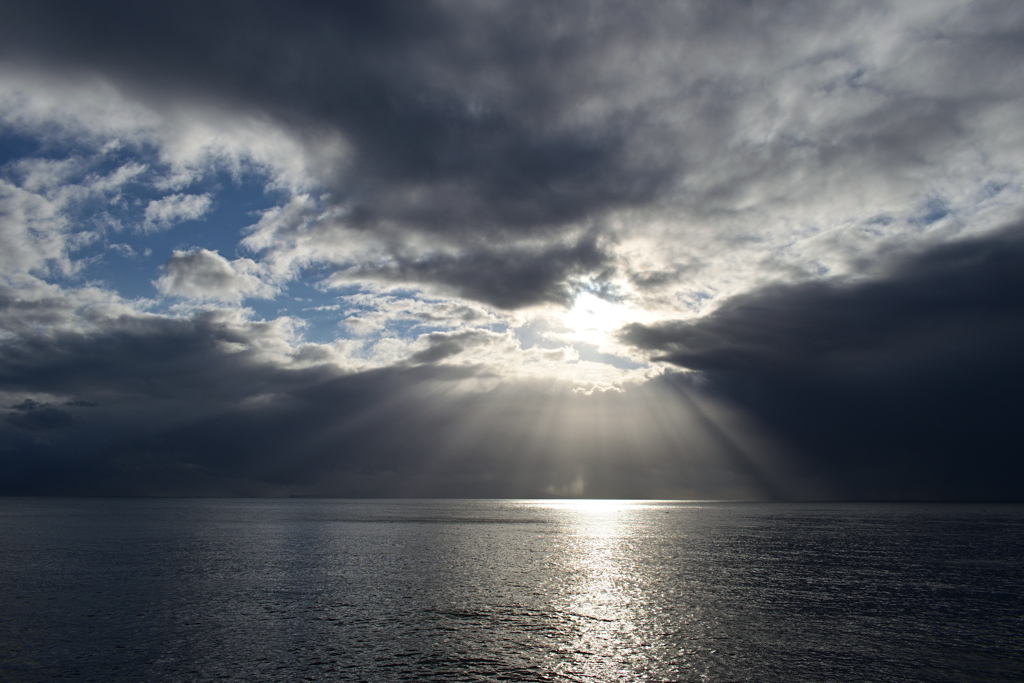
x=32, y=232
x=182, y=411
x=443, y=345
x=36, y=416
x=165, y=212
x=899, y=387
x=371, y=312
x=506, y=278
x=719, y=131
x=801, y=210
x=204, y=275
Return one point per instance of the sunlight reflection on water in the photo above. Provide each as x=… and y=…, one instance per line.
x=605, y=646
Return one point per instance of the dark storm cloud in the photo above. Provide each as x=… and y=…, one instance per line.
x=38, y=416
x=506, y=278
x=910, y=386
x=526, y=117
x=161, y=407
x=462, y=102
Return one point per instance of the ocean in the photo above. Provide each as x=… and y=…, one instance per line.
x=509, y=590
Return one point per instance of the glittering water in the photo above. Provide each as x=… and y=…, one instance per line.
x=192, y=590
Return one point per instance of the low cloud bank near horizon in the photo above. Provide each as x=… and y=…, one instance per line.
x=906, y=387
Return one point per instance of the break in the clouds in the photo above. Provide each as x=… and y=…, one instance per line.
x=722, y=249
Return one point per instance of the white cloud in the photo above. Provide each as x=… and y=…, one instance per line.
x=175, y=208
x=204, y=275
x=33, y=233
x=191, y=139
x=371, y=312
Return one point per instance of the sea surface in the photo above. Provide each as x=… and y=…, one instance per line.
x=521, y=590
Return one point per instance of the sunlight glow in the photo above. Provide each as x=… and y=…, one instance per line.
x=593, y=319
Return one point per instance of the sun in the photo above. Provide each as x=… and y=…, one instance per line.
x=592, y=319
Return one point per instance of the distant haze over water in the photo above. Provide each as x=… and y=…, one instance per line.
x=523, y=590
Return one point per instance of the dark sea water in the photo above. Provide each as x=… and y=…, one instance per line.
x=325, y=590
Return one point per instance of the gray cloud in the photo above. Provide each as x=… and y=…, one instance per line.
x=206, y=275
x=33, y=415
x=438, y=102
x=901, y=387
x=172, y=412
x=682, y=156
x=905, y=386
x=507, y=278
x=443, y=345
x=509, y=119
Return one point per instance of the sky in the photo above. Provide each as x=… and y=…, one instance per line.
x=701, y=250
